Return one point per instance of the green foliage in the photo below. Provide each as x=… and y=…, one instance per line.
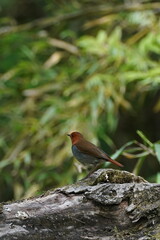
x=157, y=150
x=81, y=74
x=135, y=149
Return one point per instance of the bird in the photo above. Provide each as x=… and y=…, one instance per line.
x=87, y=153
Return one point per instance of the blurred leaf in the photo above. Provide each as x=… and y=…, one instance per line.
x=4, y=163
x=18, y=190
x=138, y=166
x=144, y=138
x=157, y=150
x=32, y=190
x=29, y=53
x=48, y=115
x=53, y=60
x=99, y=21
x=139, y=155
x=64, y=45
x=121, y=150
x=158, y=178
x=27, y=158
x=97, y=46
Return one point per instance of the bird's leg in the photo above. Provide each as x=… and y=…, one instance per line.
x=93, y=169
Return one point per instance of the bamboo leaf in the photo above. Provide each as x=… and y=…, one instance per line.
x=144, y=138
x=138, y=166
x=121, y=150
x=157, y=150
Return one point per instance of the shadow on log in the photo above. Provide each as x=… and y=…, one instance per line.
x=108, y=205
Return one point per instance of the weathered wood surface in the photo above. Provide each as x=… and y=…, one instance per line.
x=109, y=205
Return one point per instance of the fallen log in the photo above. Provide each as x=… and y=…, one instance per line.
x=109, y=205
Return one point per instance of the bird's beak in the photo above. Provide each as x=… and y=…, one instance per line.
x=68, y=135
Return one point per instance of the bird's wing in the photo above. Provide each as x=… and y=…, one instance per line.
x=92, y=150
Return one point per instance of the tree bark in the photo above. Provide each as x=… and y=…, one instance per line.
x=109, y=205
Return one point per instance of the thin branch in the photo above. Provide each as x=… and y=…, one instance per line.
x=98, y=10
x=149, y=150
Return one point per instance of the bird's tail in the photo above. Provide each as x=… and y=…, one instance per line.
x=114, y=162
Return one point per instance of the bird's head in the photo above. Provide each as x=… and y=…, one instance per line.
x=75, y=137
